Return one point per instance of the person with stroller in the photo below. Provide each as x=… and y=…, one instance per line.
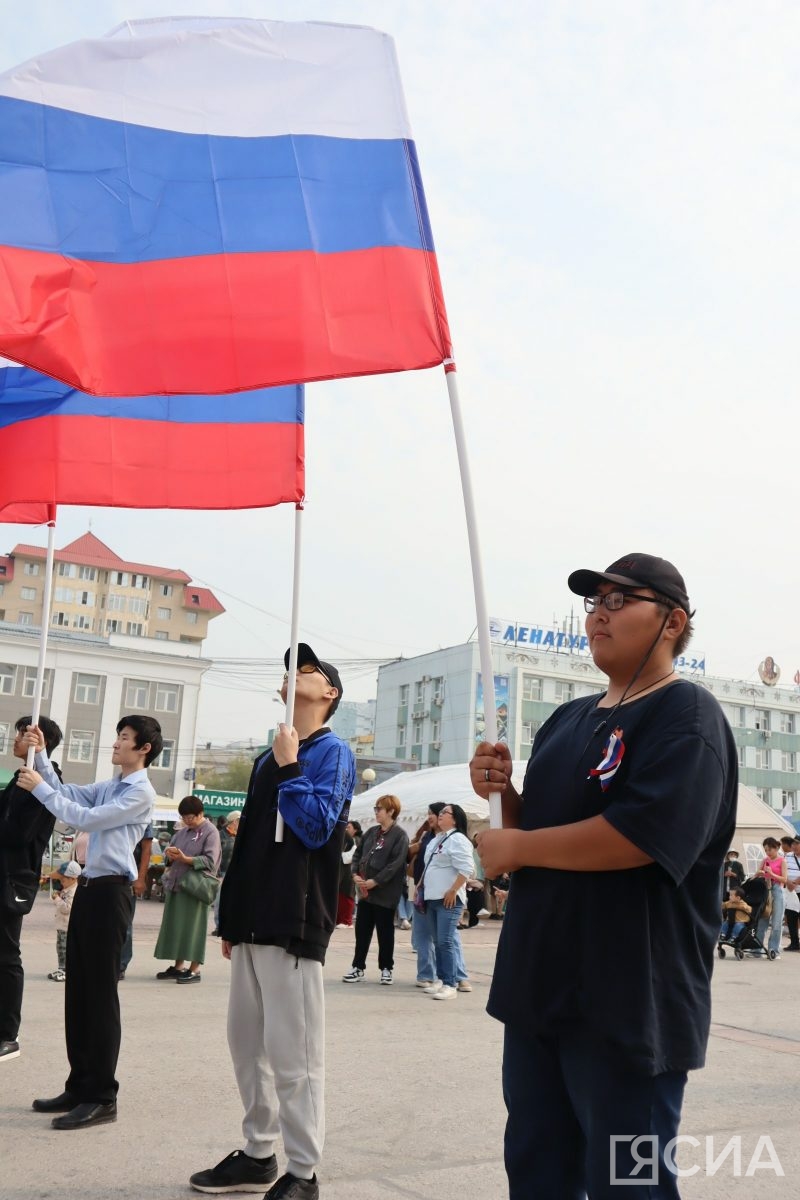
x=773, y=871
x=736, y=912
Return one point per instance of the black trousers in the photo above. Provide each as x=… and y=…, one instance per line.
x=98, y=923
x=368, y=918
x=11, y=976
x=791, y=925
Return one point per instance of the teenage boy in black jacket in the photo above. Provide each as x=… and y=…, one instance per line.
x=25, y=829
x=277, y=912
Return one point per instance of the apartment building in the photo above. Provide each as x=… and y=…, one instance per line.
x=95, y=592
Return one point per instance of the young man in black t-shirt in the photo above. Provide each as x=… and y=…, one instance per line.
x=615, y=847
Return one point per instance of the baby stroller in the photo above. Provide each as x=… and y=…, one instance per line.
x=757, y=895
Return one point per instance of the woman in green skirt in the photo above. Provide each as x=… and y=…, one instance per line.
x=184, y=925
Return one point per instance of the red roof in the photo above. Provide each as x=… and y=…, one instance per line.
x=202, y=598
x=89, y=550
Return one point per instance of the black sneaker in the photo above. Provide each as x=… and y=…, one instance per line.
x=188, y=976
x=9, y=1050
x=170, y=973
x=236, y=1173
x=289, y=1187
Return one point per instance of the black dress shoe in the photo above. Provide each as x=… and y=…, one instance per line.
x=62, y=1103
x=86, y=1114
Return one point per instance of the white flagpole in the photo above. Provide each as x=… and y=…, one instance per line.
x=46, y=594
x=482, y=616
x=291, y=682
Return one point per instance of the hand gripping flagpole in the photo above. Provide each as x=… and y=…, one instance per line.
x=47, y=592
x=291, y=683
x=484, y=645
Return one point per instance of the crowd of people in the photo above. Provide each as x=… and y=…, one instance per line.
x=627, y=809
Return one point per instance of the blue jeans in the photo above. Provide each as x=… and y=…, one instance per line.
x=731, y=933
x=422, y=941
x=574, y=1109
x=443, y=926
x=776, y=920
x=405, y=909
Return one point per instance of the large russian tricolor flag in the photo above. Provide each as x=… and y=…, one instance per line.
x=192, y=206
x=62, y=446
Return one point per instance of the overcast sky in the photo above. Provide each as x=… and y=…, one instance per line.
x=614, y=191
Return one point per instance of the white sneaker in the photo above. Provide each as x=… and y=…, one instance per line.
x=354, y=976
x=386, y=977
x=445, y=993
x=404, y=924
x=424, y=983
x=433, y=988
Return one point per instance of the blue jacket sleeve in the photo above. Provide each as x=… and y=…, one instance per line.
x=313, y=791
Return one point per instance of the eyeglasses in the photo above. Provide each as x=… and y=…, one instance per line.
x=446, y=812
x=378, y=808
x=614, y=601
x=309, y=669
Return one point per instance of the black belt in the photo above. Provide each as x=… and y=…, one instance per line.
x=85, y=881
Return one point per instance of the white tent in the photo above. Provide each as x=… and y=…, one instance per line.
x=417, y=789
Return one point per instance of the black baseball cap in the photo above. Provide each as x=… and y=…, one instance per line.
x=635, y=570
x=306, y=655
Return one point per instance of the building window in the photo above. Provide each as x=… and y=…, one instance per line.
x=164, y=614
x=531, y=687
x=89, y=573
x=195, y=598
x=742, y=756
x=161, y=635
x=67, y=570
x=5, y=731
x=121, y=578
x=137, y=693
x=137, y=606
x=81, y=621
x=87, y=689
x=135, y=628
x=786, y=722
x=438, y=690
x=28, y=593
x=404, y=696
x=419, y=692
x=29, y=683
x=2, y=588
x=788, y=760
x=191, y=618
x=762, y=718
x=81, y=746
x=762, y=759
x=8, y=679
x=166, y=589
x=25, y=618
x=166, y=697
x=60, y=618
x=564, y=691
x=164, y=760
x=86, y=599
x=113, y=625
x=401, y=735
x=417, y=733
x=115, y=603
x=31, y=568
x=436, y=731
x=527, y=733
x=65, y=595
x=789, y=798
x=739, y=717
x=763, y=794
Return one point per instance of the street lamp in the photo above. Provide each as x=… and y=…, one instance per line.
x=368, y=777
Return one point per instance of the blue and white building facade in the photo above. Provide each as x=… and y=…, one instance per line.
x=430, y=708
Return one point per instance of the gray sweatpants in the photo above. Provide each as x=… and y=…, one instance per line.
x=276, y=1035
